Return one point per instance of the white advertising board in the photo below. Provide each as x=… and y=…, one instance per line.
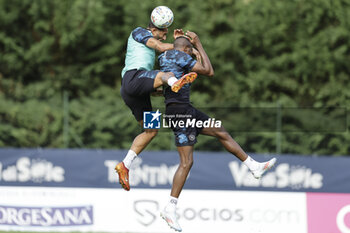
x=115, y=210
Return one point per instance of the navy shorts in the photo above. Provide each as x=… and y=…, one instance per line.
x=136, y=88
x=184, y=136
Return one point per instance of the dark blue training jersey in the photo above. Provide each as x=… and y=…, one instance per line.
x=141, y=35
x=179, y=63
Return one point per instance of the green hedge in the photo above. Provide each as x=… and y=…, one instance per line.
x=267, y=54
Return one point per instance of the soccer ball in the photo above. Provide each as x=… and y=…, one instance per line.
x=162, y=17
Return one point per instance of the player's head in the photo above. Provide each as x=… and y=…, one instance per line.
x=158, y=33
x=182, y=43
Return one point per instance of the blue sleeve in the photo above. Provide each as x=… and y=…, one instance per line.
x=141, y=35
x=186, y=61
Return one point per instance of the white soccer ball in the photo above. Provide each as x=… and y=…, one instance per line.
x=162, y=17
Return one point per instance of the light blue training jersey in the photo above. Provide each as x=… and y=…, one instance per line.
x=138, y=55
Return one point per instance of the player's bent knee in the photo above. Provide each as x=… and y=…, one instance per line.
x=151, y=133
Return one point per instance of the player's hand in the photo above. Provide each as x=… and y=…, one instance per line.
x=177, y=33
x=198, y=56
x=193, y=37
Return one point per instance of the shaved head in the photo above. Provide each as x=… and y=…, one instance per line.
x=182, y=42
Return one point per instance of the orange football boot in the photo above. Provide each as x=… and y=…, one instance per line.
x=123, y=174
x=187, y=78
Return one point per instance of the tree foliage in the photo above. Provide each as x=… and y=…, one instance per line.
x=281, y=72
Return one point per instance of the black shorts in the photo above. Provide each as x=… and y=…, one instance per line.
x=185, y=135
x=136, y=88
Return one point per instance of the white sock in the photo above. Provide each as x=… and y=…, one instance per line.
x=171, y=81
x=171, y=206
x=130, y=156
x=251, y=163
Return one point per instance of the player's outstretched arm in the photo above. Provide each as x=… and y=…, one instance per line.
x=158, y=45
x=204, y=67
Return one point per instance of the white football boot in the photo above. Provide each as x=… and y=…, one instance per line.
x=263, y=167
x=170, y=218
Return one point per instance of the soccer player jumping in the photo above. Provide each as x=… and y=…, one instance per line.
x=139, y=81
x=179, y=61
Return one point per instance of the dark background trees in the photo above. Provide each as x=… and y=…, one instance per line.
x=281, y=79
